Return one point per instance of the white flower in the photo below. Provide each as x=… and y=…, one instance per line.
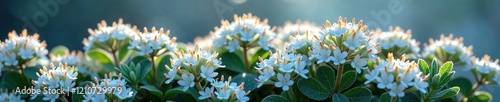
x=267, y=73
x=125, y=93
x=286, y=67
x=95, y=98
x=148, y=42
x=10, y=60
x=352, y=42
x=241, y=96
x=323, y=55
x=206, y=94
x=108, y=82
x=223, y=94
x=338, y=57
x=25, y=53
x=246, y=35
x=50, y=97
x=451, y=47
x=485, y=65
x=208, y=73
x=407, y=79
x=67, y=84
x=359, y=63
x=105, y=34
x=385, y=80
x=284, y=81
x=10, y=97
x=217, y=84
x=243, y=30
x=187, y=81
x=296, y=34
x=397, y=90
x=103, y=37
x=233, y=45
x=300, y=68
x=371, y=76
x=190, y=60
x=171, y=75
x=421, y=85
x=396, y=38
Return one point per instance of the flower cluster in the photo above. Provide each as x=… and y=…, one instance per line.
x=10, y=97
x=295, y=33
x=109, y=37
x=288, y=65
x=244, y=32
x=194, y=65
x=225, y=90
x=396, y=41
x=19, y=49
x=449, y=49
x=156, y=42
x=108, y=86
x=487, y=68
x=57, y=77
x=74, y=59
x=396, y=75
x=343, y=43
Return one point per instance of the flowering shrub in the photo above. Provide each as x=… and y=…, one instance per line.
x=245, y=60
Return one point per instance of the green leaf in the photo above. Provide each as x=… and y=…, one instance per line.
x=434, y=68
x=12, y=80
x=285, y=94
x=138, y=59
x=248, y=79
x=275, y=98
x=450, y=92
x=312, y=89
x=101, y=56
x=144, y=69
x=153, y=90
x=348, y=78
x=464, y=84
x=481, y=96
x=165, y=60
x=172, y=92
x=339, y=98
x=423, y=66
x=445, y=79
x=232, y=62
x=409, y=97
x=359, y=94
x=30, y=72
x=385, y=97
x=59, y=50
x=446, y=68
x=326, y=76
x=124, y=53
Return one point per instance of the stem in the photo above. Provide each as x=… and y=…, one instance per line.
x=247, y=65
x=198, y=85
x=394, y=99
x=479, y=82
x=115, y=58
x=292, y=95
x=338, y=78
x=474, y=88
x=153, y=67
x=62, y=98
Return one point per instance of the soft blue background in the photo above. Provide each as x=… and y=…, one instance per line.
x=476, y=20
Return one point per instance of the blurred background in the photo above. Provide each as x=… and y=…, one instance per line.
x=65, y=22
